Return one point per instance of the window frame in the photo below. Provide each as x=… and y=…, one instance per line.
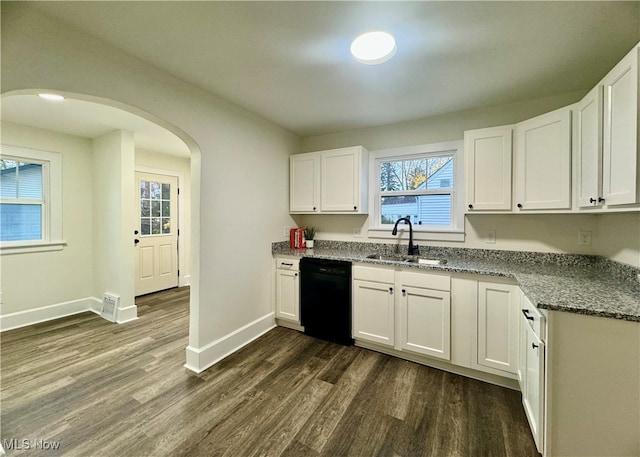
x=454, y=232
x=51, y=201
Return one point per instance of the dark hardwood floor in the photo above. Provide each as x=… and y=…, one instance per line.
x=98, y=389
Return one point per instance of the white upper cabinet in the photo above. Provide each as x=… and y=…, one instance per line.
x=304, y=177
x=620, y=136
x=588, y=149
x=488, y=155
x=543, y=162
x=333, y=181
x=343, y=178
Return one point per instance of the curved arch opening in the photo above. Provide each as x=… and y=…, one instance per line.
x=104, y=124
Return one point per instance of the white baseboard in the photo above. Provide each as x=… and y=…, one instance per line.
x=501, y=381
x=184, y=281
x=56, y=311
x=47, y=313
x=127, y=314
x=199, y=359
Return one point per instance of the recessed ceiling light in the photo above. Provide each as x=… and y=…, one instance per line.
x=55, y=97
x=373, y=47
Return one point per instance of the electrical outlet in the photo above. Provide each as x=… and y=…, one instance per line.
x=357, y=232
x=285, y=233
x=584, y=238
x=491, y=237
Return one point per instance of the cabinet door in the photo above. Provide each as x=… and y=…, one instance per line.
x=533, y=395
x=373, y=312
x=620, y=148
x=543, y=162
x=340, y=189
x=288, y=295
x=498, y=307
x=304, y=183
x=588, y=149
x=488, y=155
x=522, y=353
x=425, y=321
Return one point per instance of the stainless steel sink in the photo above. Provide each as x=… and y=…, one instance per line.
x=407, y=259
x=388, y=258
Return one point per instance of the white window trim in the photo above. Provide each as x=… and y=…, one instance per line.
x=52, y=208
x=420, y=233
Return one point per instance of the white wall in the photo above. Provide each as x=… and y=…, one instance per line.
x=60, y=276
x=113, y=219
x=240, y=175
x=619, y=237
x=446, y=127
x=156, y=160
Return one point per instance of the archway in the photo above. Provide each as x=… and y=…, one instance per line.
x=123, y=240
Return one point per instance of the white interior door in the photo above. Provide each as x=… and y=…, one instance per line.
x=157, y=226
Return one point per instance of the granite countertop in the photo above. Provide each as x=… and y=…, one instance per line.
x=581, y=284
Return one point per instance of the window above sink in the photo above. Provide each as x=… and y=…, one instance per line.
x=424, y=183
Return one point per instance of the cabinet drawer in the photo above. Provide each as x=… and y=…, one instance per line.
x=425, y=280
x=374, y=274
x=283, y=263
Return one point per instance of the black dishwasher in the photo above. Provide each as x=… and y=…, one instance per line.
x=325, y=299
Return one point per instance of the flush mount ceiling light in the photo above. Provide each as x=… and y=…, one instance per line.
x=55, y=97
x=373, y=47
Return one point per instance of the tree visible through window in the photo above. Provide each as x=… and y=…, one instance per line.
x=419, y=188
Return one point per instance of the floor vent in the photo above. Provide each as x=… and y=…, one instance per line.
x=110, y=306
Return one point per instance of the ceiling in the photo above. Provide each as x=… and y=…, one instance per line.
x=289, y=61
x=90, y=120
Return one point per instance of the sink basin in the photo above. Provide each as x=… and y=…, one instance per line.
x=431, y=261
x=388, y=258
x=407, y=259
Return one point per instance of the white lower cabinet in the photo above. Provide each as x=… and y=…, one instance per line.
x=287, y=289
x=402, y=310
x=533, y=393
x=498, y=311
x=424, y=314
x=373, y=312
x=531, y=368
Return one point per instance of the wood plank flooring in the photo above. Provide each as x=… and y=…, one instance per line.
x=100, y=389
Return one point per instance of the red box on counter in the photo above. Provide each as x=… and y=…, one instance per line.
x=296, y=238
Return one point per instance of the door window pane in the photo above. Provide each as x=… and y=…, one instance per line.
x=166, y=225
x=155, y=191
x=145, y=226
x=145, y=209
x=155, y=225
x=145, y=190
x=155, y=208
